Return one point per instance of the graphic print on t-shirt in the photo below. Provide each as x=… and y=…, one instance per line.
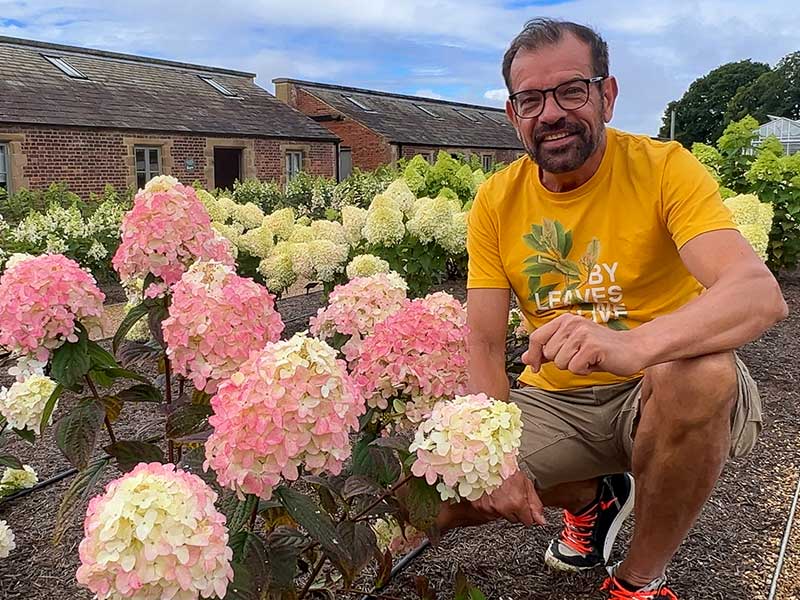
x=585, y=287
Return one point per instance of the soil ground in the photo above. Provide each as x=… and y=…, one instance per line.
x=730, y=554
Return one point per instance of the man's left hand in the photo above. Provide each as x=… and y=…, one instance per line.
x=582, y=346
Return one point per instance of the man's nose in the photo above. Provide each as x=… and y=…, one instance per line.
x=552, y=112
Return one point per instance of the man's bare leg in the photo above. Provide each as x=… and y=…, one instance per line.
x=681, y=445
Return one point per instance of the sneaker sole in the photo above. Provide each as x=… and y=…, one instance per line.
x=555, y=563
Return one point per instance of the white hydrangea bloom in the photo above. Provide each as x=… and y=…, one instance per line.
x=7, y=543
x=399, y=191
x=301, y=233
x=302, y=261
x=23, y=403
x=26, y=366
x=257, y=242
x=249, y=215
x=452, y=236
x=329, y=230
x=328, y=258
x=277, y=269
x=216, y=210
x=366, y=265
x=281, y=223
x=384, y=225
x=19, y=479
x=230, y=231
x=161, y=183
x=431, y=216
x=17, y=258
x=353, y=220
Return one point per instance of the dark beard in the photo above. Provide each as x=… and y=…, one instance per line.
x=568, y=158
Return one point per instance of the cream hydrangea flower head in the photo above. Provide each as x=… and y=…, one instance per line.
x=328, y=258
x=432, y=218
x=329, y=230
x=353, y=220
x=230, y=231
x=365, y=265
x=23, y=403
x=281, y=222
x=17, y=258
x=301, y=233
x=758, y=238
x=257, y=242
x=19, y=479
x=402, y=195
x=161, y=183
x=155, y=533
x=384, y=224
x=7, y=543
x=249, y=215
x=227, y=204
x=452, y=236
x=277, y=269
x=216, y=211
x=394, y=539
x=468, y=446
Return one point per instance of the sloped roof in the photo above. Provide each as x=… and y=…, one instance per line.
x=400, y=119
x=132, y=92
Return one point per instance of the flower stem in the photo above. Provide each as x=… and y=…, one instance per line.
x=168, y=398
x=107, y=422
x=313, y=576
x=253, y=516
x=383, y=496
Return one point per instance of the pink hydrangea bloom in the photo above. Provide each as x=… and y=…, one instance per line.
x=354, y=308
x=164, y=233
x=41, y=298
x=417, y=355
x=291, y=405
x=155, y=533
x=216, y=318
x=468, y=446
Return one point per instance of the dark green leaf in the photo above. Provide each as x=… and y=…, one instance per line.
x=187, y=419
x=384, y=568
x=78, y=492
x=533, y=242
x=6, y=460
x=135, y=353
x=100, y=357
x=537, y=270
x=617, y=325
x=76, y=432
x=464, y=590
x=155, y=317
x=119, y=373
x=192, y=462
x=378, y=463
x=243, y=586
x=131, y=453
x=561, y=240
x=71, y=361
x=567, y=248
x=250, y=551
x=316, y=522
x=359, y=485
x=50, y=406
x=241, y=513
x=134, y=316
x=100, y=378
x=359, y=539
x=283, y=548
x=423, y=503
x=26, y=434
x=141, y=392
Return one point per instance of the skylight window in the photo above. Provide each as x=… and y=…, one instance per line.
x=65, y=67
x=466, y=115
x=358, y=103
x=218, y=86
x=426, y=111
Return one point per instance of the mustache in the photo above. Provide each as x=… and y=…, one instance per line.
x=562, y=125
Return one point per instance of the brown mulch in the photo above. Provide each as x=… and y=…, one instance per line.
x=730, y=554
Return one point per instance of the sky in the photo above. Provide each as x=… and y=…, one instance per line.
x=449, y=49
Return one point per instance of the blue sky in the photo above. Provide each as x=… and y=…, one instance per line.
x=439, y=48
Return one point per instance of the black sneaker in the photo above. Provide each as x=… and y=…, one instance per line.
x=618, y=590
x=587, y=538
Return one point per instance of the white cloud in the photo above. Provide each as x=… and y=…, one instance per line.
x=497, y=96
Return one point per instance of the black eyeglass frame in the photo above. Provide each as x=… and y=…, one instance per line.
x=588, y=81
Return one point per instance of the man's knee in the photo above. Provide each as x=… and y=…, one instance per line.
x=692, y=392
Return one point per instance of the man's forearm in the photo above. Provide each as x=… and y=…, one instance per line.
x=487, y=372
x=728, y=315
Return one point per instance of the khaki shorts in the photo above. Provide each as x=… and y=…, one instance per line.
x=588, y=432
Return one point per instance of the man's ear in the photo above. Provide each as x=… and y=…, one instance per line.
x=609, y=88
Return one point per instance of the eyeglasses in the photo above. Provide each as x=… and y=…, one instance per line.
x=570, y=95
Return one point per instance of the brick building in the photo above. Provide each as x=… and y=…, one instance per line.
x=88, y=117
x=377, y=128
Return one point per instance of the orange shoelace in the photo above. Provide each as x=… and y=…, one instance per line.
x=577, y=530
x=617, y=592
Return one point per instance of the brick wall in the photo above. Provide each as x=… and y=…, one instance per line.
x=370, y=150
x=498, y=155
x=87, y=159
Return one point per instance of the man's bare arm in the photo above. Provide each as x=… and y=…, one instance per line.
x=742, y=300
x=487, y=318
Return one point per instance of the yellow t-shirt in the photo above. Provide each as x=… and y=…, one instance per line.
x=607, y=250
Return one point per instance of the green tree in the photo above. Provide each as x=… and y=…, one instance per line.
x=775, y=92
x=700, y=113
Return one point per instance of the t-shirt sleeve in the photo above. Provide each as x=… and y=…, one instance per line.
x=485, y=268
x=691, y=203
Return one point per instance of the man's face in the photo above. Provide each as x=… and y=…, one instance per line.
x=559, y=140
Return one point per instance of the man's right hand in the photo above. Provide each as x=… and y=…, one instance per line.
x=516, y=501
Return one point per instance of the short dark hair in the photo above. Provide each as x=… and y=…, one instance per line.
x=544, y=32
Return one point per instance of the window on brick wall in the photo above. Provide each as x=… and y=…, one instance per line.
x=148, y=164
x=294, y=163
x=5, y=183
x=345, y=162
x=487, y=162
